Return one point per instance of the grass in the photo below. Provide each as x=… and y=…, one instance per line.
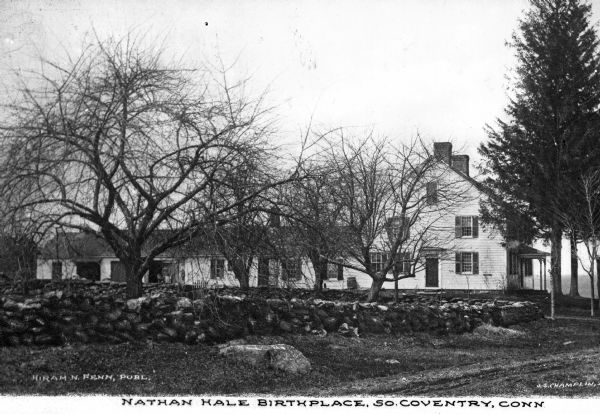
x=337, y=362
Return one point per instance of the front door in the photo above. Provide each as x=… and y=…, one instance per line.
x=431, y=272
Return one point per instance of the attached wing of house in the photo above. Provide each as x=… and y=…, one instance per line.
x=468, y=255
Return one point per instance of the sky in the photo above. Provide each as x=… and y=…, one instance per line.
x=434, y=67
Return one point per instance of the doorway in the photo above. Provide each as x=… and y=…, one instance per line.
x=432, y=272
x=88, y=270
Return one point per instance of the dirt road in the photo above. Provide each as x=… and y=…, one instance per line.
x=566, y=373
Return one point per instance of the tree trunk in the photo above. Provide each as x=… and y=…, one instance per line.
x=374, y=290
x=241, y=272
x=320, y=275
x=396, y=274
x=592, y=294
x=320, y=268
x=598, y=280
x=244, y=280
x=134, y=288
x=574, y=290
x=555, y=260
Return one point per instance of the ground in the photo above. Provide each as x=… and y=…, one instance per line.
x=520, y=360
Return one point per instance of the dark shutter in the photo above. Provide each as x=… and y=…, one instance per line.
x=458, y=263
x=475, y=226
x=284, y=269
x=475, y=263
x=213, y=268
x=406, y=263
x=429, y=193
x=405, y=229
x=340, y=272
x=458, y=226
x=431, y=189
x=221, y=268
x=297, y=269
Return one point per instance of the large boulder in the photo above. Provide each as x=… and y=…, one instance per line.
x=136, y=304
x=184, y=303
x=289, y=359
x=519, y=312
x=279, y=356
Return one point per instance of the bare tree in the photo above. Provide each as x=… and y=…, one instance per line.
x=394, y=205
x=121, y=143
x=19, y=241
x=583, y=219
x=246, y=235
x=311, y=208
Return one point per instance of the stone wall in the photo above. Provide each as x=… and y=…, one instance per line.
x=55, y=314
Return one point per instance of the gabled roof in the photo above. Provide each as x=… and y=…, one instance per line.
x=470, y=179
x=528, y=252
x=80, y=246
x=89, y=245
x=76, y=245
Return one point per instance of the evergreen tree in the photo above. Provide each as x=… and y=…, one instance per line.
x=549, y=135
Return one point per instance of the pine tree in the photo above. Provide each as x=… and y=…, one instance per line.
x=548, y=137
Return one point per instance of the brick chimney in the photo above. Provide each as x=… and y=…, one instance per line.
x=461, y=163
x=443, y=151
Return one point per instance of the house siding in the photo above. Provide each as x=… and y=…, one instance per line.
x=44, y=269
x=488, y=244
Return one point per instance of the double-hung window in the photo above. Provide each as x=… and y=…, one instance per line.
x=291, y=269
x=397, y=228
x=403, y=263
x=217, y=268
x=467, y=263
x=378, y=260
x=467, y=226
x=335, y=271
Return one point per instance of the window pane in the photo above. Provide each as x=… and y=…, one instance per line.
x=217, y=268
x=332, y=271
x=467, y=226
x=467, y=262
x=291, y=269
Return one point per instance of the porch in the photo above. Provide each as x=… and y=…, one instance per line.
x=521, y=271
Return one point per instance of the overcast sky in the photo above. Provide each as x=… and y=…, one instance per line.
x=433, y=66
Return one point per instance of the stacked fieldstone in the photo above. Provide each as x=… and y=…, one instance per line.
x=98, y=312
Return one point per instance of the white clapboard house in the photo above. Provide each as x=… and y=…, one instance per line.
x=468, y=256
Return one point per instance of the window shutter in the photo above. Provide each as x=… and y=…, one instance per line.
x=213, y=270
x=475, y=226
x=406, y=264
x=221, y=268
x=284, y=270
x=340, y=272
x=475, y=263
x=429, y=189
x=405, y=229
x=457, y=227
x=458, y=264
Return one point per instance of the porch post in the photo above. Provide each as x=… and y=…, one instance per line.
x=545, y=274
x=540, y=260
x=522, y=272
